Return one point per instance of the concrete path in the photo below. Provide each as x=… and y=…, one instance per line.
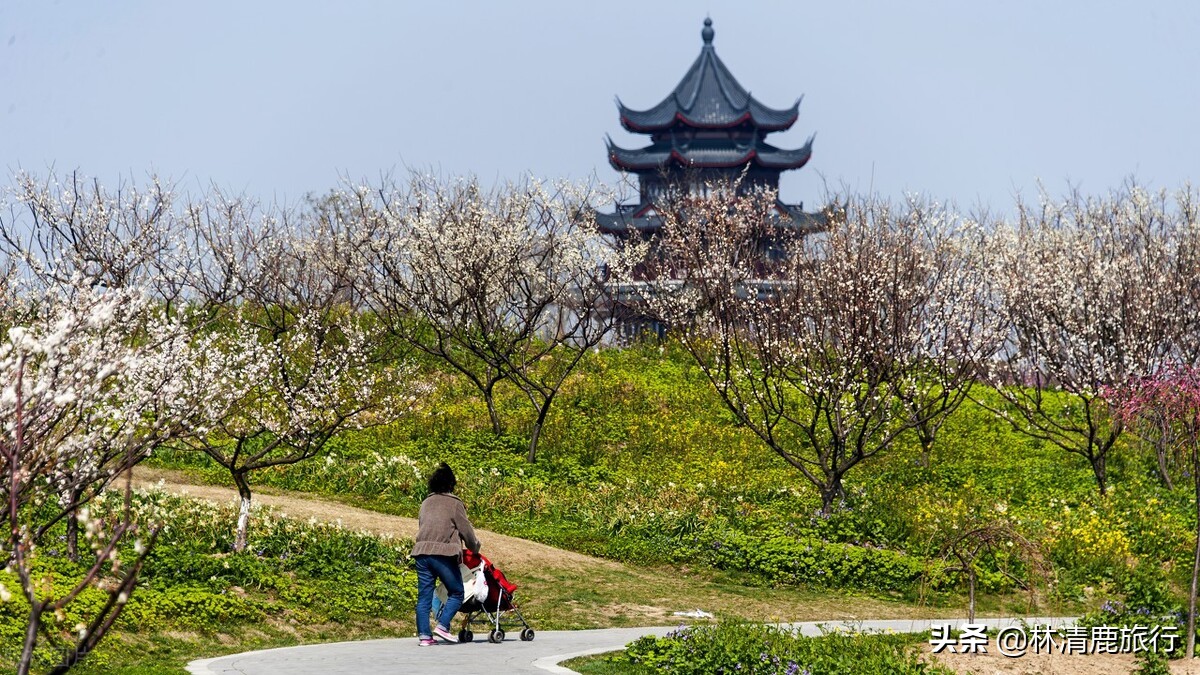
x=403, y=655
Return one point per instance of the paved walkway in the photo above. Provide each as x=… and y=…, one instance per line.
x=402, y=655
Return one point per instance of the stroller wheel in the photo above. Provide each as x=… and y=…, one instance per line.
x=496, y=636
x=527, y=634
x=465, y=635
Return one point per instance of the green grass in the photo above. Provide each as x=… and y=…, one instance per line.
x=565, y=596
x=130, y=653
x=641, y=463
x=642, y=466
x=297, y=582
x=605, y=664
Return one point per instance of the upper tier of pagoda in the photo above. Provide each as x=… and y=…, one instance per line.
x=708, y=121
x=708, y=97
x=707, y=131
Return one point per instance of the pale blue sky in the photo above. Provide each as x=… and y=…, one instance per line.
x=969, y=100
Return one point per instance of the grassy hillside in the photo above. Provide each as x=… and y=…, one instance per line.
x=640, y=464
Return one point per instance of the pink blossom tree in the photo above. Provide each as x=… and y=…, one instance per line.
x=1165, y=407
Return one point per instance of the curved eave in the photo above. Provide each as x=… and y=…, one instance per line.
x=796, y=219
x=650, y=121
x=771, y=158
x=786, y=159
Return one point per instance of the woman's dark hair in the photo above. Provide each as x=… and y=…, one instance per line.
x=442, y=479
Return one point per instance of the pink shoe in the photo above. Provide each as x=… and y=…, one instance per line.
x=427, y=642
x=445, y=634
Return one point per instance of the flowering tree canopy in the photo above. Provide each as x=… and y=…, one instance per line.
x=296, y=363
x=72, y=232
x=130, y=323
x=812, y=341
x=1092, y=291
x=88, y=387
x=1165, y=409
x=493, y=283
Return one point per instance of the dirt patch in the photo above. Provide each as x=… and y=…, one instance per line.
x=1049, y=664
x=509, y=553
x=645, y=614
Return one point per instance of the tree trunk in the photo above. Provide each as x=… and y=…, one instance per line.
x=926, y=441
x=1191, y=623
x=493, y=414
x=537, y=430
x=533, y=442
x=831, y=492
x=31, y=633
x=1164, y=474
x=73, y=536
x=243, y=522
x=971, y=595
x=1099, y=470
x=73, y=526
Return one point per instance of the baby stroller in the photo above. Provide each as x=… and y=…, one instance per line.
x=497, y=610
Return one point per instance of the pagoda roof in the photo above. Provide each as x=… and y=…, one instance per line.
x=708, y=97
x=706, y=154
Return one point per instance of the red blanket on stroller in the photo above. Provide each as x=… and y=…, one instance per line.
x=496, y=580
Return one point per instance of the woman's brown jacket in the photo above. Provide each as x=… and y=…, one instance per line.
x=443, y=528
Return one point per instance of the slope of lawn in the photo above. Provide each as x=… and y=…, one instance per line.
x=641, y=463
x=642, y=467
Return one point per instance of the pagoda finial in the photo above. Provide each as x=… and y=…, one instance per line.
x=708, y=32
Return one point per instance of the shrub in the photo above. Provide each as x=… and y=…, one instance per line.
x=765, y=650
x=784, y=560
x=1144, y=598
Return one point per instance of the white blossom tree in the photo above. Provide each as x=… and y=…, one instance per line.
x=960, y=330
x=1185, y=273
x=262, y=290
x=297, y=364
x=1091, y=290
x=812, y=346
x=72, y=235
x=502, y=286
x=67, y=230
x=88, y=387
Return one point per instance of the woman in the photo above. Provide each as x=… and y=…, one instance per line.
x=442, y=529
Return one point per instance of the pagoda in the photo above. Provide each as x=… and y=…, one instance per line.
x=708, y=130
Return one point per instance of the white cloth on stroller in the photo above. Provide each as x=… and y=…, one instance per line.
x=474, y=584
